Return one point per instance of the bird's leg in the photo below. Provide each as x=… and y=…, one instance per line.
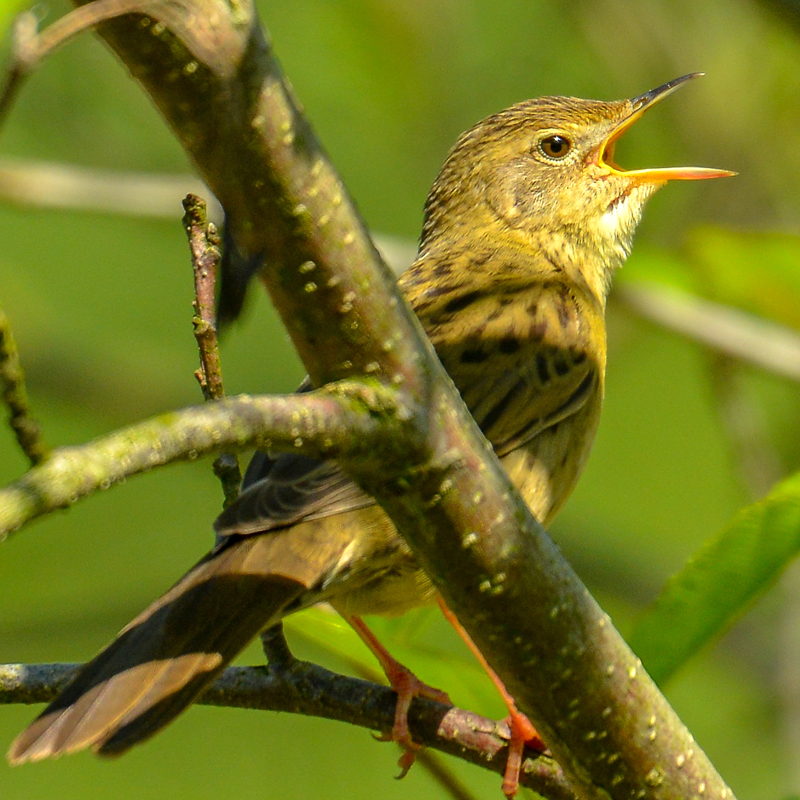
x=522, y=731
x=406, y=684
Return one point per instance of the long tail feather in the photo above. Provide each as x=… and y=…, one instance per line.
x=170, y=653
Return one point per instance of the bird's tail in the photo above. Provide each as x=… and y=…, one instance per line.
x=172, y=651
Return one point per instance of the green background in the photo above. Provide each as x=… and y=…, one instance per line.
x=101, y=306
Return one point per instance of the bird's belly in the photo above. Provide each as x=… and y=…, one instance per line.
x=546, y=469
x=402, y=587
x=376, y=573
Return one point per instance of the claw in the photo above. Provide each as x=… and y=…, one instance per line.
x=409, y=755
x=406, y=761
x=408, y=686
x=523, y=734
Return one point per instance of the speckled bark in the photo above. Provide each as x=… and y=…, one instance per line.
x=338, y=419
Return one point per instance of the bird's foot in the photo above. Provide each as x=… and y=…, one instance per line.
x=408, y=686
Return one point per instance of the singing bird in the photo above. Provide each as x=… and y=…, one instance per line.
x=523, y=229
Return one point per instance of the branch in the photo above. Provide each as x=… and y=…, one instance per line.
x=521, y=603
x=736, y=333
x=15, y=396
x=29, y=47
x=732, y=332
x=329, y=423
x=204, y=244
x=47, y=184
x=303, y=688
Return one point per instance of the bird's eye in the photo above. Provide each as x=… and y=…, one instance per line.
x=555, y=146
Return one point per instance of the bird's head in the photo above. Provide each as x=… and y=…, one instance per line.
x=546, y=168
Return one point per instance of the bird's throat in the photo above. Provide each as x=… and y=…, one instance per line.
x=606, y=239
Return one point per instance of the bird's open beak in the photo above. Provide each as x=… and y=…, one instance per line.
x=640, y=104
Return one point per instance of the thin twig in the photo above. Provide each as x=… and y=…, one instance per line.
x=15, y=396
x=303, y=688
x=29, y=46
x=204, y=244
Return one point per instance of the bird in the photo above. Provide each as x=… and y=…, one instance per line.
x=522, y=231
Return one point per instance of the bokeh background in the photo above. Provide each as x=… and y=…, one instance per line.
x=101, y=306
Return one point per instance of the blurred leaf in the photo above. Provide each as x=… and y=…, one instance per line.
x=759, y=272
x=720, y=582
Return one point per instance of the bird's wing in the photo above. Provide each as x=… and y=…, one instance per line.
x=283, y=491
x=523, y=355
x=520, y=407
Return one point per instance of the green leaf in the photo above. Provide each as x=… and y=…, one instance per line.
x=720, y=582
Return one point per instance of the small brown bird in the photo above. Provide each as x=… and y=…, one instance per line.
x=523, y=229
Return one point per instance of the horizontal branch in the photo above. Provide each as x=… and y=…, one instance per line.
x=728, y=330
x=48, y=184
x=311, y=690
x=55, y=185
x=340, y=420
